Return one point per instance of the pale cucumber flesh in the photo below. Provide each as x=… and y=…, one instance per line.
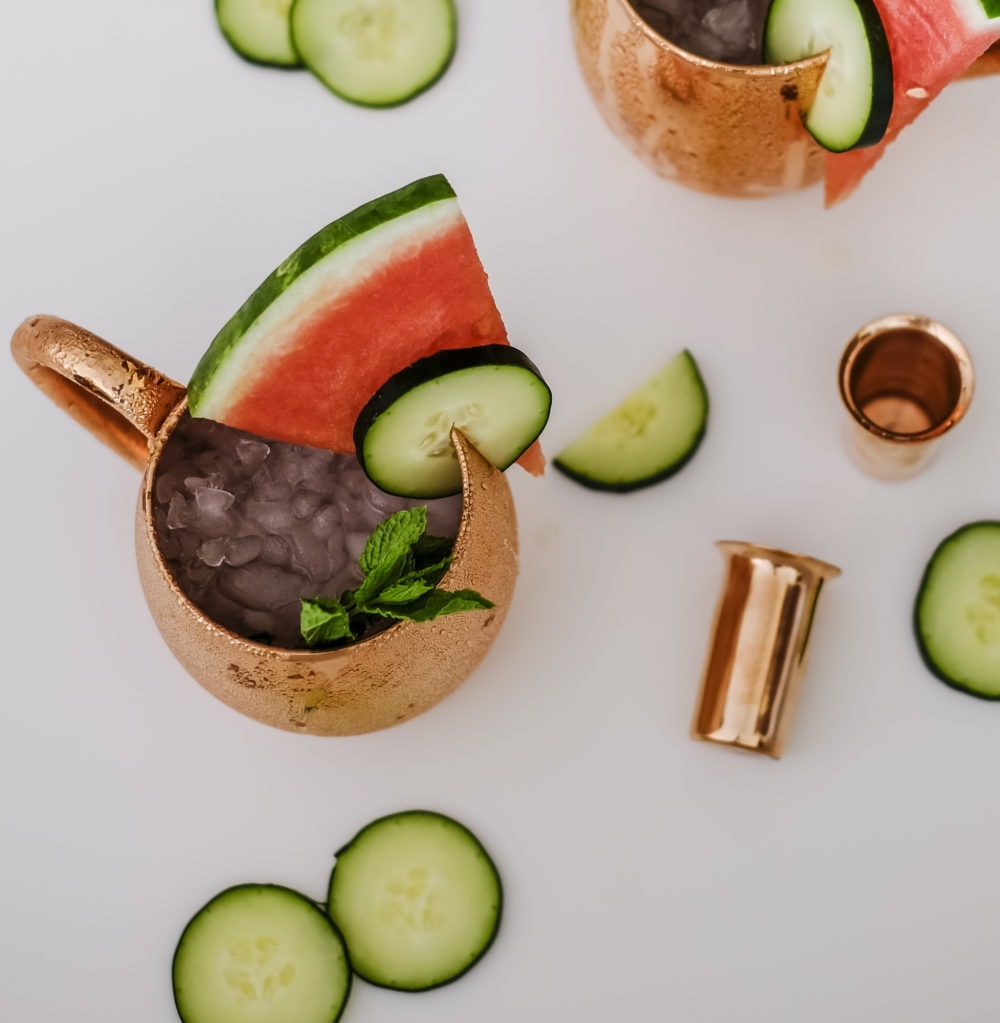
x=648, y=437
x=854, y=100
x=492, y=394
x=258, y=30
x=375, y=52
x=957, y=612
x=260, y=954
x=417, y=898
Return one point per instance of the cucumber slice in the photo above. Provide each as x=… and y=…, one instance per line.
x=417, y=898
x=650, y=436
x=258, y=30
x=493, y=394
x=260, y=953
x=957, y=612
x=854, y=101
x=377, y=53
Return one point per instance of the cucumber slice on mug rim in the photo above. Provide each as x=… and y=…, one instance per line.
x=259, y=953
x=957, y=612
x=853, y=104
x=258, y=31
x=647, y=438
x=493, y=394
x=417, y=898
x=376, y=53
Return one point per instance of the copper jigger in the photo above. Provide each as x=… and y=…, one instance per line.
x=905, y=381
x=758, y=649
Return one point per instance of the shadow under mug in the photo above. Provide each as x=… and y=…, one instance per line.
x=720, y=128
x=377, y=682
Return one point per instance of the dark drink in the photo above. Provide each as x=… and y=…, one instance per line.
x=730, y=31
x=250, y=527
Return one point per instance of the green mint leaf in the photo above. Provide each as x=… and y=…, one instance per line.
x=388, y=552
x=324, y=620
x=393, y=538
x=430, y=550
x=429, y=573
x=405, y=591
x=433, y=604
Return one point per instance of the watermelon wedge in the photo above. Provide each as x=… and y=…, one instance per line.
x=392, y=282
x=931, y=42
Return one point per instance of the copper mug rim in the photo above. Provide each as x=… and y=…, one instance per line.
x=754, y=70
x=917, y=323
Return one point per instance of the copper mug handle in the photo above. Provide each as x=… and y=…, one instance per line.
x=120, y=400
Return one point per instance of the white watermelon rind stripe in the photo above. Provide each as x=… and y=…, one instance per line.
x=979, y=15
x=331, y=262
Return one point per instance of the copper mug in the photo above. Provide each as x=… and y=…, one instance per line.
x=377, y=682
x=720, y=128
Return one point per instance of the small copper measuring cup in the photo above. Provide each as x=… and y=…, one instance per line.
x=375, y=683
x=905, y=380
x=757, y=654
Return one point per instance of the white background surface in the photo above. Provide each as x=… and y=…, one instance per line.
x=150, y=180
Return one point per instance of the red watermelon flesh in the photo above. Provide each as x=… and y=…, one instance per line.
x=931, y=42
x=387, y=285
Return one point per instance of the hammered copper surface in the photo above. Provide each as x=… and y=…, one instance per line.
x=758, y=647
x=714, y=127
x=373, y=684
x=718, y=128
x=905, y=381
x=119, y=399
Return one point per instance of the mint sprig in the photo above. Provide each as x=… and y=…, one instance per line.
x=402, y=566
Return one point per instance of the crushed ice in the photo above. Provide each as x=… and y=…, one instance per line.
x=731, y=32
x=249, y=528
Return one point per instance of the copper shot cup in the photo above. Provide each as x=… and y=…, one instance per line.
x=757, y=653
x=905, y=381
x=720, y=128
x=377, y=682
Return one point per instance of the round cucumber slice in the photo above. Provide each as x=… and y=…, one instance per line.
x=852, y=107
x=258, y=30
x=417, y=898
x=493, y=394
x=376, y=53
x=260, y=954
x=957, y=611
x=650, y=436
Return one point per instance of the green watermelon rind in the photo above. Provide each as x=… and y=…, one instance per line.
x=991, y=7
x=331, y=239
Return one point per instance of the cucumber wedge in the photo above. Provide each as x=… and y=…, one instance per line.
x=854, y=101
x=493, y=394
x=261, y=954
x=376, y=53
x=417, y=898
x=957, y=613
x=258, y=30
x=649, y=437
